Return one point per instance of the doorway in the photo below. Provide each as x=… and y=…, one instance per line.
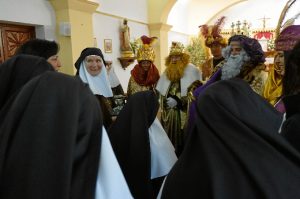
x=11, y=37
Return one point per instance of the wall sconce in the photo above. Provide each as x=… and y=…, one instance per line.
x=126, y=61
x=65, y=29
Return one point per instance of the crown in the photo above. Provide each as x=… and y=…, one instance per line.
x=177, y=48
x=146, y=51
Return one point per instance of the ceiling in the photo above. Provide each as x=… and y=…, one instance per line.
x=187, y=15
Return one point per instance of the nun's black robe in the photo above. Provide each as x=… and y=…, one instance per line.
x=50, y=140
x=234, y=150
x=129, y=137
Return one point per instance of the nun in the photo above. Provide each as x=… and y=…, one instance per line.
x=42, y=48
x=238, y=155
x=52, y=141
x=141, y=145
x=91, y=70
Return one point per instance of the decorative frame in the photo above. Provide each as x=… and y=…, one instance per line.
x=107, y=45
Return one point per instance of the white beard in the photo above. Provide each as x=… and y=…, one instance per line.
x=233, y=65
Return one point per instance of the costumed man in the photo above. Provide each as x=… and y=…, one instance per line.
x=284, y=44
x=144, y=75
x=215, y=42
x=244, y=58
x=173, y=88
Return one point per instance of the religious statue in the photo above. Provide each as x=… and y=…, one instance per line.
x=125, y=40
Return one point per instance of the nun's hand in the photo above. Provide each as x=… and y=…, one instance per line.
x=171, y=102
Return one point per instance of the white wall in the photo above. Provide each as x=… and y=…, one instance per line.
x=250, y=11
x=187, y=15
x=38, y=13
x=132, y=9
x=107, y=26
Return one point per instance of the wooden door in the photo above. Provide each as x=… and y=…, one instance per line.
x=11, y=37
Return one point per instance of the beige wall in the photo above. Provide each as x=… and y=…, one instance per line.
x=78, y=14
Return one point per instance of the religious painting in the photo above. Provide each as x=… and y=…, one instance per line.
x=107, y=45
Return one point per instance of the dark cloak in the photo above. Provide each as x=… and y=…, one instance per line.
x=50, y=140
x=129, y=137
x=17, y=71
x=291, y=127
x=234, y=150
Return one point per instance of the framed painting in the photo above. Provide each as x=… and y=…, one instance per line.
x=107, y=45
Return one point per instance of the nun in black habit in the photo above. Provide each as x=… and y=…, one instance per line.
x=50, y=135
x=15, y=73
x=141, y=145
x=238, y=155
x=50, y=140
x=91, y=69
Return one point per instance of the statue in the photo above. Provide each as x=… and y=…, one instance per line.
x=126, y=49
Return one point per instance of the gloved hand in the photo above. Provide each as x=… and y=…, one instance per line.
x=171, y=102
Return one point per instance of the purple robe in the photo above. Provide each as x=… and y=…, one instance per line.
x=192, y=111
x=279, y=106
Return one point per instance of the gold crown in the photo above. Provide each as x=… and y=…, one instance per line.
x=146, y=51
x=177, y=48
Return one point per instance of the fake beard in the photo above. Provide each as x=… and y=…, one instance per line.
x=174, y=71
x=233, y=65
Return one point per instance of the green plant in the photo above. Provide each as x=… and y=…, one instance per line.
x=196, y=51
x=135, y=45
x=271, y=45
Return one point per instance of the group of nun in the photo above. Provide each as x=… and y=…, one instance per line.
x=57, y=142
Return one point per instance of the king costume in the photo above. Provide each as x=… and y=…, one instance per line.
x=144, y=79
x=173, y=89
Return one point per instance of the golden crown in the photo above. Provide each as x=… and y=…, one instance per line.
x=177, y=48
x=146, y=51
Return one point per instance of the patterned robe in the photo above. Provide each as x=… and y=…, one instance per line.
x=134, y=87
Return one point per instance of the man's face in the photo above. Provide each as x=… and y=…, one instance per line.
x=235, y=47
x=93, y=64
x=234, y=63
x=175, y=58
x=216, y=50
x=145, y=64
x=55, y=62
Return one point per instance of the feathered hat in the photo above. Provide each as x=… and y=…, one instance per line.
x=146, y=51
x=212, y=34
x=287, y=35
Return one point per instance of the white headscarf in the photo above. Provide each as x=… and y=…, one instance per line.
x=113, y=79
x=99, y=84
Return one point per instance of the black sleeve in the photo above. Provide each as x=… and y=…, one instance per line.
x=106, y=110
x=291, y=131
